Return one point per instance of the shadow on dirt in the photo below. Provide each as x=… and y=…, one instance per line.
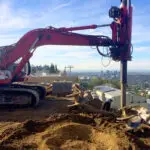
x=44, y=110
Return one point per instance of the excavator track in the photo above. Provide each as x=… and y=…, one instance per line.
x=18, y=97
x=41, y=90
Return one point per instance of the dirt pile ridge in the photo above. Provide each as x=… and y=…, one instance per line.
x=72, y=132
x=50, y=126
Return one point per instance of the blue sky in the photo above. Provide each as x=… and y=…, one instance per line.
x=18, y=17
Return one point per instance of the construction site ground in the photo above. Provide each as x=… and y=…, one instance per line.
x=52, y=126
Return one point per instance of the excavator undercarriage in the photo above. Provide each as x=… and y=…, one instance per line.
x=22, y=94
x=18, y=97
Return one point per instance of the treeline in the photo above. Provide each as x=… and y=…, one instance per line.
x=52, y=68
x=99, y=81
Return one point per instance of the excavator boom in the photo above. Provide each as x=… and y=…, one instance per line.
x=49, y=36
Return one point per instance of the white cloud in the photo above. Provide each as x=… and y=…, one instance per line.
x=95, y=65
x=140, y=33
x=142, y=49
x=20, y=20
x=62, y=54
x=78, y=54
x=60, y=6
x=8, y=39
x=8, y=20
x=140, y=64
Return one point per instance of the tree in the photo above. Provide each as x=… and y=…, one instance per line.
x=33, y=69
x=46, y=68
x=56, y=70
x=115, y=84
x=94, y=82
x=52, y=68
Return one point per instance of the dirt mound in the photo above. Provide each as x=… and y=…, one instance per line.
x=74, y=136
x=73, y=131
x=51, y=127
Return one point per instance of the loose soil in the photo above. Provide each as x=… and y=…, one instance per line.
x=52, y=126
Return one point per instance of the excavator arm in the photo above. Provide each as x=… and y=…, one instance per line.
x=25, y=47
x=119, y=44
x=49, y=36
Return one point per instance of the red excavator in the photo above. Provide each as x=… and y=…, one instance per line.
x=14, y=59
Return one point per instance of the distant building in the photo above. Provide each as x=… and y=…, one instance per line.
x=148, y=101
x=44, y=74
x=84, y=78
x=115, y=95
x=142, y=94
x=148, y=92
